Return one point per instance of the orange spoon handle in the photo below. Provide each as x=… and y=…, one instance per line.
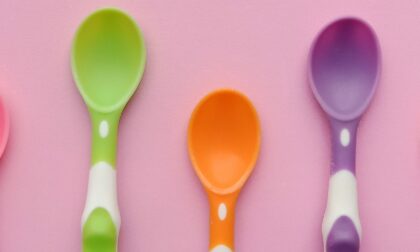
x=222, y=222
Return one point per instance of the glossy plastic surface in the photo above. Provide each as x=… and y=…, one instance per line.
x=4, y=126
x=344, y=68
x=344, y=72
x=224, y=141
x=108, y=59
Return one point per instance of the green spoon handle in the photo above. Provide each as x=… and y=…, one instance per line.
x=101, y=217
x=104, y=136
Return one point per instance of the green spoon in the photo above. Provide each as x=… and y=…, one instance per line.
x=108, y=59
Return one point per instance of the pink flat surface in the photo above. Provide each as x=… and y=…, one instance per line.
x=258, y=47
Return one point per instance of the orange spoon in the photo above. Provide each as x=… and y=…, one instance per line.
x=223, y=142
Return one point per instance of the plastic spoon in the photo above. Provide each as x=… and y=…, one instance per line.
x=108, y=60
x=344, y=72
x=4, y=127
x=223, y=141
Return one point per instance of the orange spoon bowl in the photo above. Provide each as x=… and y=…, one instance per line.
x=224, y=142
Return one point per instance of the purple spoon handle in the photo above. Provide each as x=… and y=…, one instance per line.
x=341, y=227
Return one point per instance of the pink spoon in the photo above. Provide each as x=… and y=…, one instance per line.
x=4, y=127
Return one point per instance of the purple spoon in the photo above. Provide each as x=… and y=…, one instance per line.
x=344, y=69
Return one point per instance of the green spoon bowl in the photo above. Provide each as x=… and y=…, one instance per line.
x=108, y=60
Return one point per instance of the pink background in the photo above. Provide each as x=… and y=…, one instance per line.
x=258, y=47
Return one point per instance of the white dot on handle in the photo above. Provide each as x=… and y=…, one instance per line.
x=222, y=211
x=345, y=137
x=221, y=248
x=103, y=129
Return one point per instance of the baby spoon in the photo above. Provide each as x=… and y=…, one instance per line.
x=343, y=71
x=108, y=59
x=223, y=141
x=4, y=127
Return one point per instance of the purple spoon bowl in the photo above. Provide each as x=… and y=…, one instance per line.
x=344, y=69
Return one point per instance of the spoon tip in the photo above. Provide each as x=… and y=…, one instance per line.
x=344, y=67
x=108, y=58
x=211, y=165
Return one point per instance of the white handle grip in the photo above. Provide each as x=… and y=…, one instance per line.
x=341, y=225
x=102, y=192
